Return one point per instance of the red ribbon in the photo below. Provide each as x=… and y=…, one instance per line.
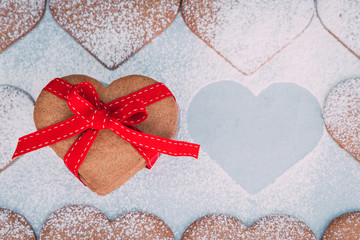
x=92, y=115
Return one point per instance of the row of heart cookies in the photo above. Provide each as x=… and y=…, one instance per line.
x=85, y=222
x=113, y=31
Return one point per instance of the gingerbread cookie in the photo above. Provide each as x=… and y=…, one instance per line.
x=215, y=226
x=278, y=227
x=14, y=226
x=105, y=135
x=16, y=119
x=345, y=227
x=139, y=225
x=342, y=19
x=247, y=33
x=274, y=227
x=342, y=115
x=77, y=222
x=119, y=160
x=112, y=31
x=84, y=222
x=18, y=17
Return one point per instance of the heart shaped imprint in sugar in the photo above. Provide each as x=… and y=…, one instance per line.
x=14, y=226
x=342, y=115
x=344, y=227
x=16, y=117
x=111, y=160
x=342, y=19
x=274, y=227
x=84, y=222
x=114, y=30
x=18, y=17
x=247, y=33
x=255, y=139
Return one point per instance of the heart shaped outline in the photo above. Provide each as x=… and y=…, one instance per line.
x=275, y=142
x=81, y=221
x=329, y=28
x=229, y=45
x=116, y=42
x=7, y=35
x=269, y=227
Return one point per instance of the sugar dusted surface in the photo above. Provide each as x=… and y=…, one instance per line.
x=345, y=226
x=342, y=18
x=17, y=17
x=77, y=222
x=14, y=226
x=16, y=108
x=248, y=33
x=139, y=225
x=342, y=114
x=114, y=30
x=278, y=227
x=215, y=226
x=321, y=186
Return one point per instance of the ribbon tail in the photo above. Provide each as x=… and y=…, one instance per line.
x=159, y=144
x=78, y=151
x=150, y=156
x=49, y=135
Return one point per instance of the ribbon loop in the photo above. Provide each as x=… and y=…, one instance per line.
x=133, y=112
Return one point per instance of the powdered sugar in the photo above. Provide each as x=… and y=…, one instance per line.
x=16, y=109
x=84, y=222
x=274, y=227
x=323, y=185
x=138, y=225
x=342, y=114
x=345, y=226
x=278, y=227
x=77, y=222
x=114, y=30
x=17, y=17
x=14, y=226
x=248, y=33
x=342, y=18
x=215, y=226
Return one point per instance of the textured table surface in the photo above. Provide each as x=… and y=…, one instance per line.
x=256, y=158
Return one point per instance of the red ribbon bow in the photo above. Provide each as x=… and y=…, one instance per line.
x=92, y=115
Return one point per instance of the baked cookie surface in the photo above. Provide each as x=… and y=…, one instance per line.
x=14, y=226
x=247, y=33
x=17, y=18
x=114, y=30
x=342, y=19
x=342, y=114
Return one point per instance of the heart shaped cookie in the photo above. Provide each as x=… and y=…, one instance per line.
x=112, y=31
x=18, y=17
x=16, y=108
x=247, y=33
x=111, y=160
x=14, y=226
x=274, y=227
x=84, y=222
x=342, y=115
x=342, y=19
x=345, y=227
